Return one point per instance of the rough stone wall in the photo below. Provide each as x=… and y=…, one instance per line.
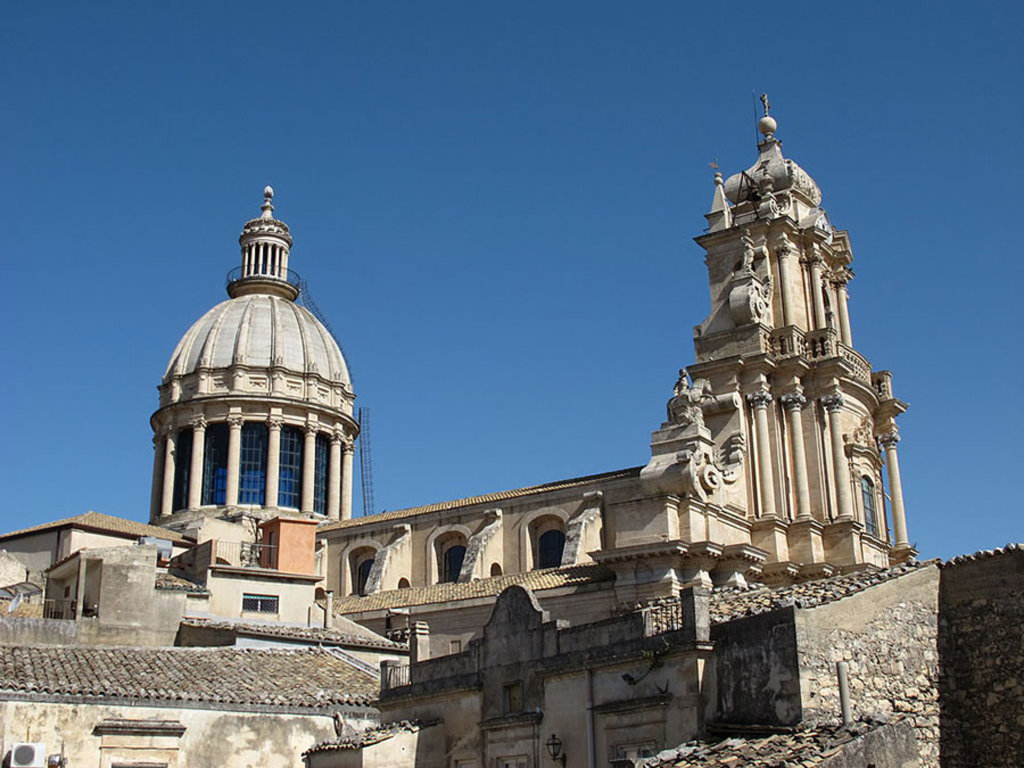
x=981, y=648
x=888, y=635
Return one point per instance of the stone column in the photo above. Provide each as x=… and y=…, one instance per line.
x=195, y=471
x=167, y=492
x=845, y=334
x=760, y=401
x=273, y=461
x=308, y=468
x=892, y=464
x=784, y=251
x=234, y=459
x=844, y=500
x=793, y=403
x=817, y=300
x=156, y=489
x=348, y=450
x=334, y=478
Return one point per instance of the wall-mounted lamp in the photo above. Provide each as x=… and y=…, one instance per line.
x=554, y=745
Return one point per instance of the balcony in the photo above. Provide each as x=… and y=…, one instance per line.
x=393, y=674
x=245, y=554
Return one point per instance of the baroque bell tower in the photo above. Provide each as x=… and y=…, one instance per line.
x=781, y=421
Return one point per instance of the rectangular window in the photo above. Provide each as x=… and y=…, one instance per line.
x=182, y=468
x=215, y=465
x=260, y=603
x=512, y=697
x=290, y=479
x=252, y=479
x=454, y=646
x=323, y=450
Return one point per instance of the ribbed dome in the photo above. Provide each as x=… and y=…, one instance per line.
x=259, y=331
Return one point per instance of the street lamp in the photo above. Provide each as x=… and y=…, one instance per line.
x=554, y=745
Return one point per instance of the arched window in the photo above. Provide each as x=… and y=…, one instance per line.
x=867, y=493
x=363, y=575
x=451, y=562
x=290, y=478
x=323, y=449
x=549, y=549
x=403, y=583
x=182, y=468
x=495, y=569
x=252, y=468
x=215, y=465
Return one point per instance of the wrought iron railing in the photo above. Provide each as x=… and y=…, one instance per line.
x=393, y=674
x=245, y=554
x=59, y=609
x=663, y=617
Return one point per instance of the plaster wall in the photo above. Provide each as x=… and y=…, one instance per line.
x=227, y=588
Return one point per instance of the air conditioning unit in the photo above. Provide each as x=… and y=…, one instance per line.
x=28, y=756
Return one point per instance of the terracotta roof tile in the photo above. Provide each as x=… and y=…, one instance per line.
x=729, y=604
x=356, y=636
x=306, y=678
x=488, y=498
x=100, y=522
x=549, y=578
x=173, y=583
x=370, y=736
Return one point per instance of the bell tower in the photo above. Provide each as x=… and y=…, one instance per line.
x=781, y=420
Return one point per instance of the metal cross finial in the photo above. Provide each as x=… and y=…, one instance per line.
x=714, y=164
x=764, y=101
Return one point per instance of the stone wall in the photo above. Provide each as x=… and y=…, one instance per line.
x=981, y=647
x=888, y=635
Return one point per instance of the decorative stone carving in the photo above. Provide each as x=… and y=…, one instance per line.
x=761, y=399
x=198, y=422
x=275, y=422
x=833, y=402
x=749, y=296
x=685, y=406
x=888, y=440
x=235, y=422
x=793, y=401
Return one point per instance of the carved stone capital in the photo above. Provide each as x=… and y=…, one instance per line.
x=311, y=428
x=794, y=401
x=761, y=399
x=833, y=402
x=348, y=445
x=275, y=422
x=888, y=440
x=235, y=422
x=199, y=422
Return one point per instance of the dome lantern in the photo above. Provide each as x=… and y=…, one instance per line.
x=266, y=244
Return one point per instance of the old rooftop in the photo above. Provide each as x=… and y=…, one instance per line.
x=275, y=678
x=351, y=634
x=370, y=736
x=96, y=521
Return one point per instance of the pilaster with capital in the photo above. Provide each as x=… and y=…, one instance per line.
x=888, y=443
x=784, y=252
x=833, y=405
x=156, y=489
x=234, y=459
x=195, y=471
x=274, y=425
x=793, y=404
x=759, y=402
x=334, y=477
x=309, y=467
x=167, y=495
x=348, y=450
x=815, y=264
x=843, y=296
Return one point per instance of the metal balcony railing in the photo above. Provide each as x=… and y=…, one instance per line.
x=244, y=554
x=663, y=617
x=394, y=674
x=59, y=609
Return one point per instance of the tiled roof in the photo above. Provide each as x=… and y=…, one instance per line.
x=729, y=604
x=105, y=523
x=799, y=749
x=357, y=635
x=549, y=578
x=487, y=498
x=370, y=736
x=174, y=583
x=983, y=554
x=304, y=678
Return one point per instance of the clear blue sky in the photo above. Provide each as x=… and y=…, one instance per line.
x=494, y=203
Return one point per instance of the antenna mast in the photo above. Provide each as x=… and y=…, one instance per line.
x=365, y=461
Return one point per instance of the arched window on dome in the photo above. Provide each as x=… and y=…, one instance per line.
x=252, y=477
x=451, y=562
x=290, y=478
x=867, y=492
x=549, y=549
x=182, y=468
x=215, y=465
x=323, y=450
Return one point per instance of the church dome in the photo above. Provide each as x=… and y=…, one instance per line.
x=259, y=331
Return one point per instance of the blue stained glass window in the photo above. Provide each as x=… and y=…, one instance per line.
x=323, y=450
x=290, y=478
x=215, y=465
x=549, y=549
x=252, y=478
x=867, y=492
x=182, y=467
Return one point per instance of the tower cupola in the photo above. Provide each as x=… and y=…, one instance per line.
x=266, y=244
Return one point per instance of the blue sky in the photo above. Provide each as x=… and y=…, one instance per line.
x=494, y=204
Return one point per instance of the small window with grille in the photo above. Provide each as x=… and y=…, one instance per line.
x=260, y=603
